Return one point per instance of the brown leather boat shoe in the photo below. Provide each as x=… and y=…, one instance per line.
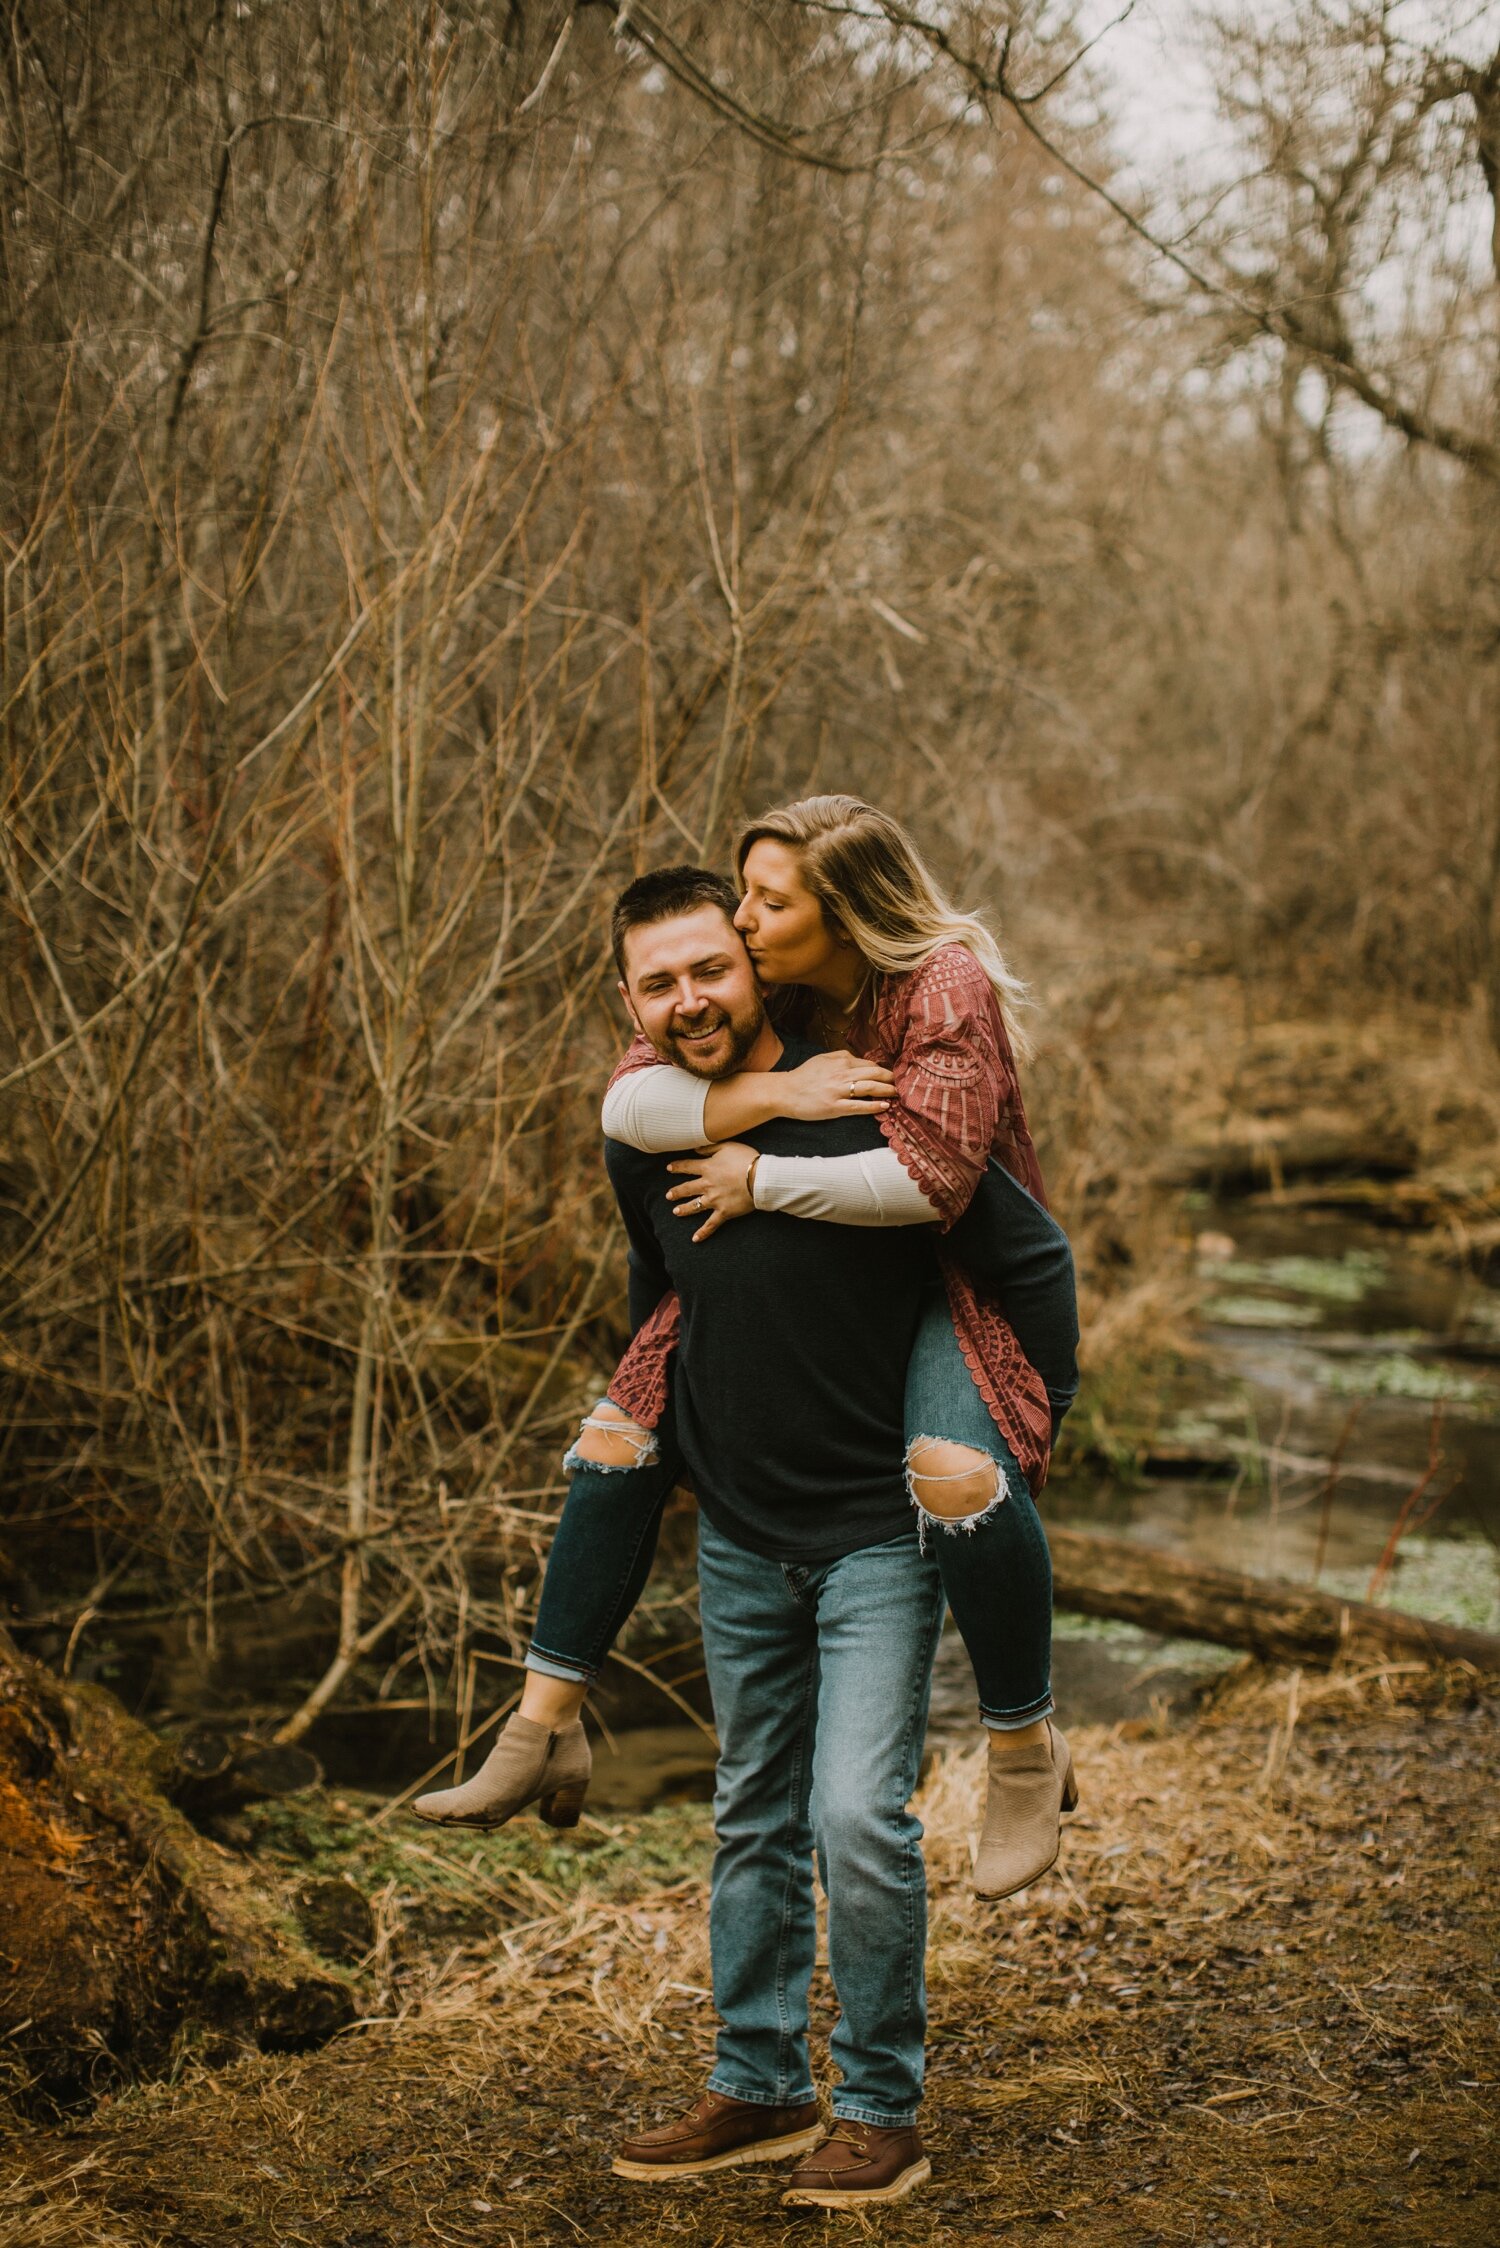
x=858, y=2164
x=715, y=2134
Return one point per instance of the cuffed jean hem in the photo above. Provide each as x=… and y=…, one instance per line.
x=559, y=1666
x=1016, y=1721
x=726, y=2091
x=842, y=2113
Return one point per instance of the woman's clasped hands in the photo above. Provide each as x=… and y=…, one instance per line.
x=837, y=1084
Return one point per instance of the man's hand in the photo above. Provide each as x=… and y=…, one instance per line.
x=715, y=1180
x=836, y=1085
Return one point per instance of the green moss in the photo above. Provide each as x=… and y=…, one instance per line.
x=1396, y=1375
x=1334, y=1280
x=1260, y=1311
x=1130, y=1639
x=1452, y=1580
x=1482, y=1318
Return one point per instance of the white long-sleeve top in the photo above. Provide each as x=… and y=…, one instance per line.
x=660, y=1109
x=657, y=1110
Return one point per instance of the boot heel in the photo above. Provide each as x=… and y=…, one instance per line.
x=564, y=1807
x=1070, y=1789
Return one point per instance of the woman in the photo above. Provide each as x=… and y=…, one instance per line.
x=858, y=947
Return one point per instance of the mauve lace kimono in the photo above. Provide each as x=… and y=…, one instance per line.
x=940, y=1032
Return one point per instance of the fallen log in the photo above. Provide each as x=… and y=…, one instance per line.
x=1240, y=1162
x=1267, y=1616
x=120, y=1925
x=1463, y=1214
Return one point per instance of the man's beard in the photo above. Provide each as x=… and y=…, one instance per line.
x=743, y=1032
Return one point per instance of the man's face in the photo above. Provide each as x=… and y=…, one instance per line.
x=692, y=991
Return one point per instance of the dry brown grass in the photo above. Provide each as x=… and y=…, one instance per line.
x=1250, y=2007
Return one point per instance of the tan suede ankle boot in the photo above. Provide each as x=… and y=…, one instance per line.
x=1029, y=1789
x=528, y=1764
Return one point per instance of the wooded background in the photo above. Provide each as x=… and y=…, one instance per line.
x=456, y=456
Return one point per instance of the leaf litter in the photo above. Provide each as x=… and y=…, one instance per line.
x=1252, y=2004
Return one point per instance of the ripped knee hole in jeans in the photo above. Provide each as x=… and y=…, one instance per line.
x=925, y=1486
x=614, y=1432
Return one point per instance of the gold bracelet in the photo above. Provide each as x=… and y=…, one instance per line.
x=750, y=1177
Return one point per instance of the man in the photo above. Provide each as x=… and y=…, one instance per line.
x=820, y=1613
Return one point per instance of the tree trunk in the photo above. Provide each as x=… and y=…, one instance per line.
x=121, y=1923
x=1267, y=1616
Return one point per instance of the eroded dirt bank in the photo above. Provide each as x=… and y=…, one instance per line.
x=1254, y=2006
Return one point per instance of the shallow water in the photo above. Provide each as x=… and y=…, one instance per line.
x=1323, y=1340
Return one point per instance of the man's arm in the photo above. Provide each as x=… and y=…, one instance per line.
x=649, y=1279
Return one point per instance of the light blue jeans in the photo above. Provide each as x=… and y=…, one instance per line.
x=820, y=1679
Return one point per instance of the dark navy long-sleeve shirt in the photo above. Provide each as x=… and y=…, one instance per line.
x=791, y=1366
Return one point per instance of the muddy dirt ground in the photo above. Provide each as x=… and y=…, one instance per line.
x=1255, y=2005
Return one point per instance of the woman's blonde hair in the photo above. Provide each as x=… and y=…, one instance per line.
x=870, y=878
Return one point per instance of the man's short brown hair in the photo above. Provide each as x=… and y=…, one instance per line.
x=661, y=895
